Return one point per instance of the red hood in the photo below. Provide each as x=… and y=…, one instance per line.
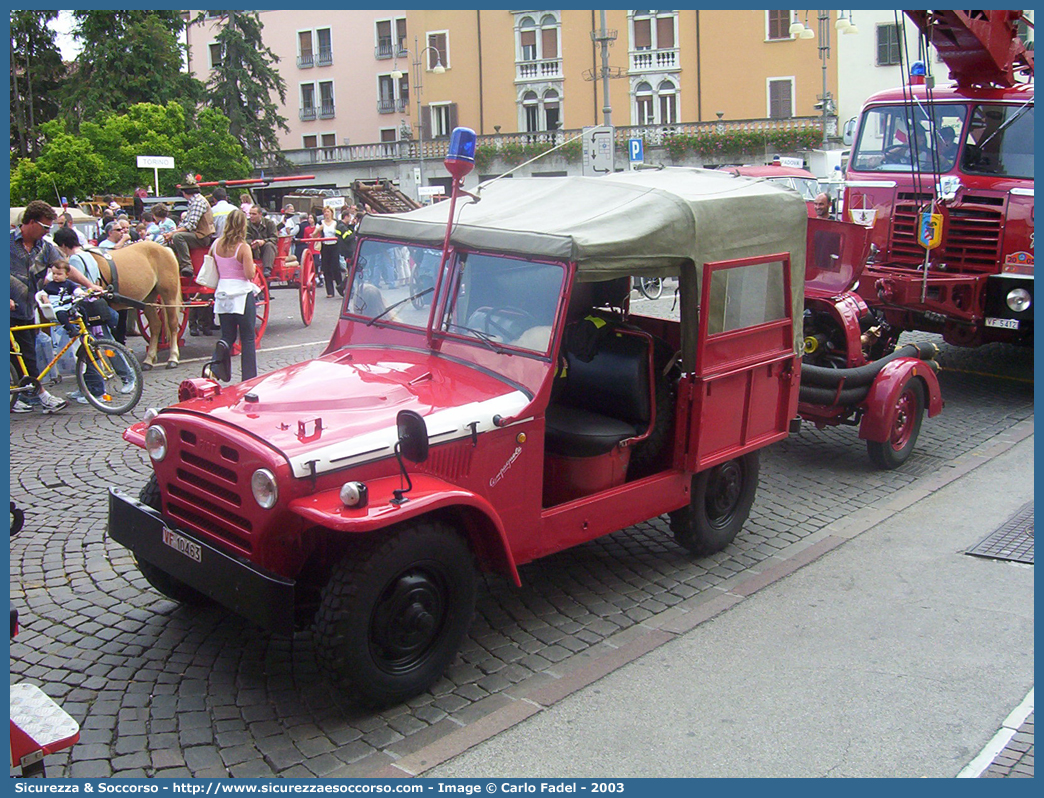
x=341, y=408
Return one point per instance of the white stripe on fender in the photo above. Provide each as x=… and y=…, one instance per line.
x=450, y=424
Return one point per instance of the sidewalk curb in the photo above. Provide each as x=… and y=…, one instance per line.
x=1008, y=729
x=629, y=645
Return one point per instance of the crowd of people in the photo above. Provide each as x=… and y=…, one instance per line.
x=49, y=268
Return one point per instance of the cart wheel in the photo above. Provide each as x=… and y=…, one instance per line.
x=651, y=287
x=395, y=611
x=260, y=313
x=906, y=426
x=718, y=506
x=306, y=278
x=146, y=333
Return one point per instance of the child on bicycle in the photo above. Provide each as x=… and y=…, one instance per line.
x=60, y=292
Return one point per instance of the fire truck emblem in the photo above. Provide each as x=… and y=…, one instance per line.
x=929, y=230
x=863, y=215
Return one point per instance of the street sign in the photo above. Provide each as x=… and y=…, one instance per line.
x=155, y=163
x=431, y=191
x=793, y=163
x=598, y=150
x=636, y=150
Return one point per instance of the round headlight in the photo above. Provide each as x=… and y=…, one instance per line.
x=263, y=486
x=1019, y=299
x=156, y=442
x=354, y=494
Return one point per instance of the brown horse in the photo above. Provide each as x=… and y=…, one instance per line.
x=148, y=272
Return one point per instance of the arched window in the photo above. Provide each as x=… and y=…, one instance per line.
x=548, y=37
x=527, y=39
x=551, y=110
x=643, y=101
x=531, y=111
x=667, y=96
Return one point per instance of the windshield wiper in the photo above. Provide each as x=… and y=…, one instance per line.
x=1019, y=113
x=390, y=308
x=481, y=336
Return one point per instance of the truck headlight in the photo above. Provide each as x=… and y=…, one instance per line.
x=263, y=486
x=156, y=442
x=1019, y=299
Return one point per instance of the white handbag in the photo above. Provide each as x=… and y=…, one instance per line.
x=208, y=273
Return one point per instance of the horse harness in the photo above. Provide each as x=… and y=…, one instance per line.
x=114, y=279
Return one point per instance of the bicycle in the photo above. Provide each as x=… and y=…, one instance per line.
x=650, y=287
x=110, y=368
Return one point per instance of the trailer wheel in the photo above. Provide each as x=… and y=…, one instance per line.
x=395, y=611
x=172, y=588
x=906, y=426
x=718, y=507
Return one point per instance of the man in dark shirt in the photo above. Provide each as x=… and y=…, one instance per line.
x=261, y=235
x=31, y=257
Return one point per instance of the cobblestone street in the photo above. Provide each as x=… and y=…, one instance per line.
x=161, y=690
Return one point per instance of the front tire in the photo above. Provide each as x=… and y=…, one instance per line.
x=718, y=507
x=395, y=611
x=117, y=369
x=906, y=426
x=172, y=588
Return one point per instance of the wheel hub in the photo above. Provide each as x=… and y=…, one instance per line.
x=902, y=427
x=723, y=492
x=406, y=621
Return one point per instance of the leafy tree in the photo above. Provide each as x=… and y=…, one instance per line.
x=103, y=157
x=128, y=57
x=36, y=72
x=241, y=87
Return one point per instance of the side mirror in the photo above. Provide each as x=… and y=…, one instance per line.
x=413, y=436
x=848, y=133
x=220, y=365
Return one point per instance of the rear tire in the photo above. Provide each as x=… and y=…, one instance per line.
x=906, y=426
x=395, y=611
x=172, y=588
x=718, y=507
x=120, y=374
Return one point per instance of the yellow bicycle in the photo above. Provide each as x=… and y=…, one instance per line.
x=108, y=374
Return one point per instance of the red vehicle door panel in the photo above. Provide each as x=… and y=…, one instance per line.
x=744, y=390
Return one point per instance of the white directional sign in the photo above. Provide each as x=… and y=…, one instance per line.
x=598, y=150
x=155, y=163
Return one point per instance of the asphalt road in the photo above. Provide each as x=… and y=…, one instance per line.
x=161, y=690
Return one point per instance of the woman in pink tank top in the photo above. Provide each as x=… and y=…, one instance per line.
x=234, y=297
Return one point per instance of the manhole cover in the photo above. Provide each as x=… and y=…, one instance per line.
x=1012, y=541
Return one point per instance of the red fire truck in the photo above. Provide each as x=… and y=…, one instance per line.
x=944, y=177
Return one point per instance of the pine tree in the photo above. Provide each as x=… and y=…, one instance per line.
x=36, y=72
x=128, y=57
x=241, y=87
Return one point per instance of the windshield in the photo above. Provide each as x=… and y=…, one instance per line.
x=806, y=187
x=394, y=282
x=1000, y=141
x=899, y=138
x=504, y=301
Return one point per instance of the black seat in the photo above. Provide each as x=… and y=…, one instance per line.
x=605, y=400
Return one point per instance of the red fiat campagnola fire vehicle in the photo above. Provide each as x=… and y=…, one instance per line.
x=501, y=406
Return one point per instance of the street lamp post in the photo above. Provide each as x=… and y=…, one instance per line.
x=802, y=31
x=418, y=71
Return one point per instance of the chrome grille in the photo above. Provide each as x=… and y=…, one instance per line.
x=971, y=239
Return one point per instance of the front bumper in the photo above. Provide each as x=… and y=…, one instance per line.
x=258, y=595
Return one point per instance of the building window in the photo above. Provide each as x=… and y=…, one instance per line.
x=439, y=42
x=531, y=111
x=887, y=45
x=400, y=36
x=552, y=116
x=1025, y=33
x=305, y=57
x=780, y=98
x=329, y=140
x=326, y=100
x=777, y=24
x=325, y=56
x=215, y=55
x=307, y=102
x=385, y=48
x=388, y=134
x=311, y=142
x=385, y=94
x=653, y=30
x=659, y=107
x=442, y=119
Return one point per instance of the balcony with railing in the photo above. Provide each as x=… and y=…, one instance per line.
x=305, y=61
x=547, y=69
x=307, y=113
x=326, y=110
x=654, y=60
x=389, y=105
x=325, y=57
x=384, y=49
x=437, y=149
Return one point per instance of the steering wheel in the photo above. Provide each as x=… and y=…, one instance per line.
x=897, y=153
x=508, y=321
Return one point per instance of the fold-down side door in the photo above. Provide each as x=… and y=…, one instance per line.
x=744, y=390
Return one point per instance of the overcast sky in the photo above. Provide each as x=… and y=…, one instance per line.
x=63, y=27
